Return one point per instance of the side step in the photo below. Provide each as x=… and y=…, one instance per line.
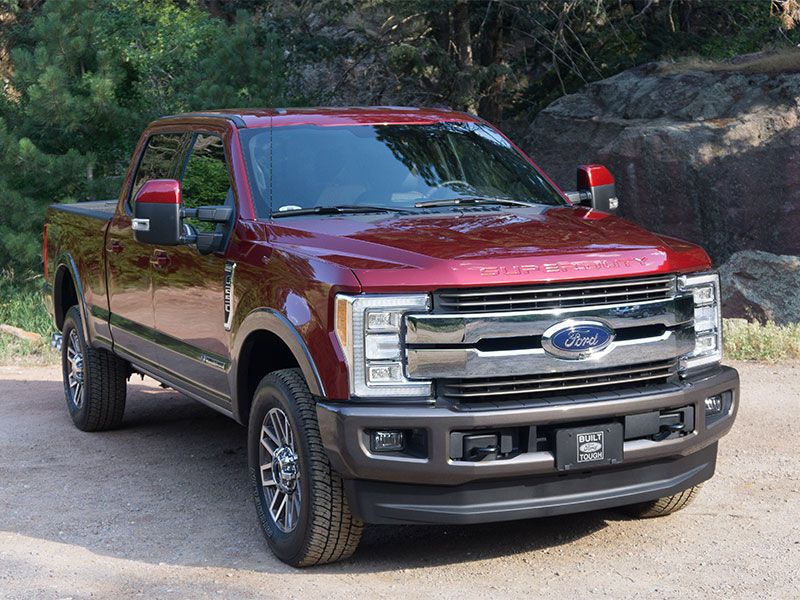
x=56, y=340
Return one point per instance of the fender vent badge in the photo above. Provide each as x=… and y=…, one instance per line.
x=230, y=268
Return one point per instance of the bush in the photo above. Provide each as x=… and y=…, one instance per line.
x=22, y=305
x=754, y=341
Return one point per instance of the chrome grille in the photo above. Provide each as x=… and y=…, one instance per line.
x=549, y=384
x=550, y=296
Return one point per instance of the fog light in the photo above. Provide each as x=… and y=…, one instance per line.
x=387, y=441
x=714, y=405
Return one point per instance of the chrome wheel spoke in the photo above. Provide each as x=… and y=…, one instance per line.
x=277, y=427
x=75, y=370
x=280, y=471
x=266, y=437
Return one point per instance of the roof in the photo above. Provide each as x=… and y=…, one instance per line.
x=331, y=116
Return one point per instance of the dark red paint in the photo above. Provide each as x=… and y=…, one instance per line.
x=160, y=191
x=590, y=176
x=296, y=265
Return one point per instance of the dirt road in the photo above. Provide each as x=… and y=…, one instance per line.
x=161, y=509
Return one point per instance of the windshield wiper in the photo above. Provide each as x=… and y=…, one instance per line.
x=336, y=210
x=472, y=200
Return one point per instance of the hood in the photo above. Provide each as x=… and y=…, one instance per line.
x=485, y=246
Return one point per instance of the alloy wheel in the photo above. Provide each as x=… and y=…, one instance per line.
x=280, y=470
x=75, y=369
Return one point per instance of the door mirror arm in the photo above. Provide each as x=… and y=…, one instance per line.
x=209, y=214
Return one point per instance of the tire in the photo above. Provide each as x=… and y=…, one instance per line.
x=315, y=526
x=663, y=506
x=94, y=379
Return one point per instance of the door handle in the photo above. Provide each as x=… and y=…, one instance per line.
x=115, y=247
x=160, y=259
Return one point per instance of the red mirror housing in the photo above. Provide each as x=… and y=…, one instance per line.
x=596, y=188
x=157, y=213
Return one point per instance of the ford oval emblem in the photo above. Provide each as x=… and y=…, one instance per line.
x=576, y=339
x=590, y=447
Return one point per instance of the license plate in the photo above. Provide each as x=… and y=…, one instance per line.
x=588, y=446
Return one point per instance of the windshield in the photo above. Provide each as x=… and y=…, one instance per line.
x=393, y=166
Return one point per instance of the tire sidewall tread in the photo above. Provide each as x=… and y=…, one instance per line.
x=104, y=381
x=326, y=531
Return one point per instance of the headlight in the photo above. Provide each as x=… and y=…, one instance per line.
x=368, y=329
x=707, y=319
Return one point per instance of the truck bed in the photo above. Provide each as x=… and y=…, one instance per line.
x=99, y=209
x=75, y=237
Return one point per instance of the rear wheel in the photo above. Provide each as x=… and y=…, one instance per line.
x=663, y=506
x=299, y=498
x=94, y=379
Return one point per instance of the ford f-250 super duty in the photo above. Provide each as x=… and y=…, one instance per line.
x=413, y=322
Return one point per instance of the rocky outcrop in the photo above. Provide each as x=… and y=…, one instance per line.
x=761, y=286
x=711, y=156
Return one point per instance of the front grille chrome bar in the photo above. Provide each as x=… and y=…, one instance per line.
x=469, y=362
x=495, y=388
x=551, y=296
x=463, y=328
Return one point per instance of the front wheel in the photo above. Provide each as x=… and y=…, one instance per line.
x=299, y=499
x=662, y=506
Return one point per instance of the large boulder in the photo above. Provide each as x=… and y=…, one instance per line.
x=711, y=156
x=761, y=286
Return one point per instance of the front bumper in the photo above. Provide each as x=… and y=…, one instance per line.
x=650, y=469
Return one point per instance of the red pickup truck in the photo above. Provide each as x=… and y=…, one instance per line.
x=414, y=323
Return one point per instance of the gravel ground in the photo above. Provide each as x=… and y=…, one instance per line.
x=160, y=509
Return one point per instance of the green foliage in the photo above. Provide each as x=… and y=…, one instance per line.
x=754, y=341
x=205, y=181
x=83, y=77
x=88, y=75
x=29, y=180
x=21, y=305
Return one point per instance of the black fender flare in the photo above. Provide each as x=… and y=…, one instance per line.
x=272, y=321
x=66, y=264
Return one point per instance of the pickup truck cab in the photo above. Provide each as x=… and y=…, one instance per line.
x=413, y=322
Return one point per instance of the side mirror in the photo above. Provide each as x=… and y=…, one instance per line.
x=595, y=189
x=157, y=213
x=158, y=218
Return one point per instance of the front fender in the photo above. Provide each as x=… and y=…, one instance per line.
x=270, y=320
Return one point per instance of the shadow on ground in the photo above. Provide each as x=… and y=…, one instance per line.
x=170, y=487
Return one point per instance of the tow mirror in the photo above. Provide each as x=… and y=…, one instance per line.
x=157, y=213
x=596, y=189
x=158, y=218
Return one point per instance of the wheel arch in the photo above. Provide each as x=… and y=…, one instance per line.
x=267, y=341
x=68, y=292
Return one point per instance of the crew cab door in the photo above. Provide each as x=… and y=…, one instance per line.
x=130, y=263
x=189, y=288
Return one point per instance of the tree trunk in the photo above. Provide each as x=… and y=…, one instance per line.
x=461, y=34
x=491, y=55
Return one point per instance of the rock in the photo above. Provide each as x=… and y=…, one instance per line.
x=761, y=286
x=33, y=338
x=711, y=156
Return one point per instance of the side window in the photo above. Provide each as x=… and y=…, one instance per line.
x=162, y=159
x=205, y=180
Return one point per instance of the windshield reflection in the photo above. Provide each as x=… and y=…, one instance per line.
x=394, y=166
